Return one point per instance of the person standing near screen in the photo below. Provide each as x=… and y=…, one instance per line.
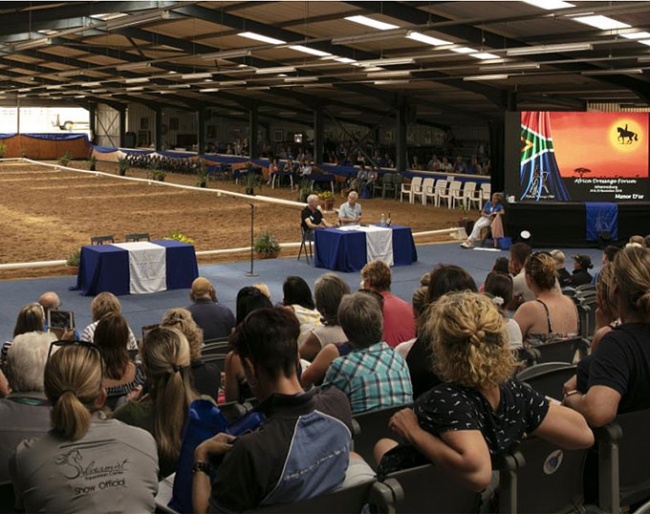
x=350, y=211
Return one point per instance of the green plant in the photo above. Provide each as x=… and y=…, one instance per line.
x=3, y=150
x=326, y=195
x=73, y=258
x=65, y=159
x=122, y=166
x=304, y=190
x=155, y=173
x=179, y=236
x=202, y=174
x=266, y=243
x=92, y=163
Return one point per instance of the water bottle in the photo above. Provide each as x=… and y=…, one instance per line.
x=382, y=220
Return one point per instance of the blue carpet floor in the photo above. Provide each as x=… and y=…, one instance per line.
x=142, y=310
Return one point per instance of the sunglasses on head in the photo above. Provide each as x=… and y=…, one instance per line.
x=84, y=344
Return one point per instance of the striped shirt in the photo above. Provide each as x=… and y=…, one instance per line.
x=372, y=378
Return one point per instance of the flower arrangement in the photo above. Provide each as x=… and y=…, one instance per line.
x=266, y=244
x=180, y=237
x=326, y=195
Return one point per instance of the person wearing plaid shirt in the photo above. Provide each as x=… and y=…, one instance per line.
x=372, y=375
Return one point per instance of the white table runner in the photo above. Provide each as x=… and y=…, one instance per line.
x=147, y=267
x=379, y=242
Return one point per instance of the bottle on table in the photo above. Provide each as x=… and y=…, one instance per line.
x=382, y=220
x=388, y=220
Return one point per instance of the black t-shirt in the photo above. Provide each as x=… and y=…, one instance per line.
x=622, y=362
x=418, y=360
x=580, y=277
x=316, y=217
x=564, y=277
x=206, y=377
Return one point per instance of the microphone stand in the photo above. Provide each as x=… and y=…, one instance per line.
x=251, y=273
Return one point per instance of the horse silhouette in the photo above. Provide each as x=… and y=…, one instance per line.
x=624, y=133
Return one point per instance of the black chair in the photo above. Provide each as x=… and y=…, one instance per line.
x=132, y=238
x=370, y=427
x=548, y=378
x=100, y=240
x=623, y=455
x=563, y=350
x=215, y=347
x=306, y=240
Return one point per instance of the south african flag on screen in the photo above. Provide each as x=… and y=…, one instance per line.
x=539, y=176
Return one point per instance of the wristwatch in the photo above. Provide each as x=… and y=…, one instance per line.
x=202, y=467
x=569, y=393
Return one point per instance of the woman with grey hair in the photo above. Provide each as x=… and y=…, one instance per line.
x=25, y=412
x=372, y=375
x=328, y=292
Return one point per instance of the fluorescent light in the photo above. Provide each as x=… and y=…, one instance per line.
x=209, y=90
x=197, y=76
x=275, y=69
x=645, y=42
x=262, y=38
x=372, y=36
x=389, y=74
x=133, y=65
x=622, y=71
x=344, y=60
x=79, y=96
x=33, y=43
x=636, y=35
x=476, y=78
x=464, y=50
x=179, y=86
x=56, y=86
x=369, y=22
x=429, y=40
x=228, y=54
x=90, y=84
x=549, y=49
x=137, y=80
x=128, y=21
x=513, y=66
x=233, y=83
x=601, y=22
x=390, y=82
x=140, y=88
x=259, y=88
x=98, y=91
x=387, y=62
x=484, y=55
x=549, y=5
x=301, y=79
x=307, y=50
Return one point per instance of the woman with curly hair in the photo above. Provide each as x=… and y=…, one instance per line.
x=478, y=410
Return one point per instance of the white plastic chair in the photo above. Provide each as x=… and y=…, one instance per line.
x=486, y=193
x=440, y=191
x=455, y=194
x=430, y=192
x=427, y=184
x=471, y=196
x=408, y=189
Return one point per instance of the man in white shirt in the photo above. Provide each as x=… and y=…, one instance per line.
x=350, y=211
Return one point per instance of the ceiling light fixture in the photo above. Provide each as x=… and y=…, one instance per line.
x=513, y=66
x=372, y=36
x=387, y=62
x=197, y=76
x=308, y=50
x=136, y=80
x=32, y=44
x=601, y=22
x=131, y=89
x=389, y=74
x=622, y=71
x=129, y=21
x=56, y=86
x=209, y=90
x=133, y=65
x=635, y=35
x=275, y=69
x=301, y=79
x=463, y=50
x=549, y=5
x=645, y=42
x=549, y=49
x=228, y=54
x=369, y=22
x=262, y=38
x=429, y=40
x=477, y=78
x=90, y=84
x=484, y=55
x=390, y=82
x=233, y=83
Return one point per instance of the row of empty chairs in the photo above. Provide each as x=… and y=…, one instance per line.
x=452, y=192
x=129, y=238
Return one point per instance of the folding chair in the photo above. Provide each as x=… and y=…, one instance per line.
x=100, y=240
x=306, y=244
x=132, y=238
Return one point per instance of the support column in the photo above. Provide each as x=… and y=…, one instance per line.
x=92, y=121
x=158, y=129
x=253, y=143
x=122, y=117
x=201, y=135
x=319, y=135
x=401, y=161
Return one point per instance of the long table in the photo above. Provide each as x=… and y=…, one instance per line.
x=345, y=250
x=106, y=267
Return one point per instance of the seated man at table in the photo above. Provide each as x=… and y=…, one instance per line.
x=311, y=217
x=350, y=211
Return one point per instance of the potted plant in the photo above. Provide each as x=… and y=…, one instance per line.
x=304, y=190
x=122, y=166
x=92, y=163
x=266, y=245
x=327, y=200
x=72, y=261
x=202, y=175
x=155, y=173
x=177, y=235
x=65, y=159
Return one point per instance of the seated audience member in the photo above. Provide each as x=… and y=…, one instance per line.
x=216, y=320
x=501, y=265
x=311, y=216
x=274, y=169
x=51, y=301
x=581, y=266
x=31, y=318
x=444, y=278
x=65, y=470
x=636, y=240
x=490, y=217
x=103, y=304
x=298, y=299
x=206, y=376
x=162, y=412
x=264, y=288
x=498, y=286
x=372, y=375
x=646, y=241
x=350, y=211
x=551, y=315
x=399, y=323
x=478, y=411
x=521, y=293
x=419, y=304
x=563, y=275
x=237, y=389
x=617, y=374
x=25, y=412
x=609, y=253
x=305, y=431
x=328, y=291
x=121, y=375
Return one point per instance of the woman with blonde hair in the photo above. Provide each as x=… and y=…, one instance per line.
x=478, y=411
x=66, y=469
x=551, y=315
x=162, y=412
x=206, y=376
x=31, y=318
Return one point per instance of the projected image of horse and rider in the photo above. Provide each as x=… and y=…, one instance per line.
x=583, y=156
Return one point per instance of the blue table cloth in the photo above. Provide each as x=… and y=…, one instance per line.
x=346, y=250
x=106, y=268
